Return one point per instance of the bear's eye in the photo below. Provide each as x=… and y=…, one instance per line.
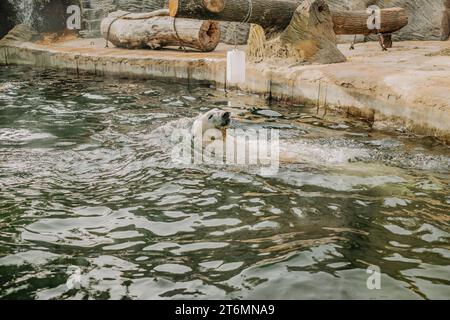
x=210, y=117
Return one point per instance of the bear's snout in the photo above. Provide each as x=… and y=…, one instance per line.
x=226, y=119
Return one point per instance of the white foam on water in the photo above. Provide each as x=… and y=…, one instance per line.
x=22, y=135
x=94, y=96
x=329, y=152
x=316, y=153
x=6, y=86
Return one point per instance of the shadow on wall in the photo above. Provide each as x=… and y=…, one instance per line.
x=42, y=15
x=446, y=21
x=7, y=17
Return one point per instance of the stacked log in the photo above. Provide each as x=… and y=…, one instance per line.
x=303, y=30
x=300, y=30
x=157, y=30
x=275, y=15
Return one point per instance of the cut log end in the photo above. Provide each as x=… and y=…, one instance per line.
x=173, y=8
x=215, y=6
x=209, y=35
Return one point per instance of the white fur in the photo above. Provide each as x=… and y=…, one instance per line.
x=209, y=126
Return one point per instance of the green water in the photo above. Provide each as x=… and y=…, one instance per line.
x=83, y=187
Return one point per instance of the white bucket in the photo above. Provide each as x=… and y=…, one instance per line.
x=235, y=66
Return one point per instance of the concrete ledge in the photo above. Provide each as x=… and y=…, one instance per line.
x=402, y=87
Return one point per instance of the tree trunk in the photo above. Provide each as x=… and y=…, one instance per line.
x=201, y=7
x=445, y=25
x=355, y=22
x=275, y=15
x=309, y=38
x=156, y=30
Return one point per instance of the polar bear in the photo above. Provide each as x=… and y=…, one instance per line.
x=211, y=137
x=211, y=126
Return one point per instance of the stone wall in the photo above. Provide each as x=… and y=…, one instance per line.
x=7, y=17
x=41, y=15
x=95, y=10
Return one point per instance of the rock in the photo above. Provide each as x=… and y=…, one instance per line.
x=269, y=113
x=21, y=32
x=41, y=15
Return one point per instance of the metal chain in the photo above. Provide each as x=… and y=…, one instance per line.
x=246, y=20
x=109, y=27
x=177, y=35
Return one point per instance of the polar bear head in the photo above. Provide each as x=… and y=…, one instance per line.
x=210, y=121
x=217, y=119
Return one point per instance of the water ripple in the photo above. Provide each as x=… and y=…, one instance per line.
x=87, y=188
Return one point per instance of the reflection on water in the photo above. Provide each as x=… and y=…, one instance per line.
x=84, y=186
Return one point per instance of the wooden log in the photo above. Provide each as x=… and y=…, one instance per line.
x=200, y=7
x=155, y=31
x=445, y=25
x=309, y=38
x=275, y=15
x=145, y=15
x=355, y=22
